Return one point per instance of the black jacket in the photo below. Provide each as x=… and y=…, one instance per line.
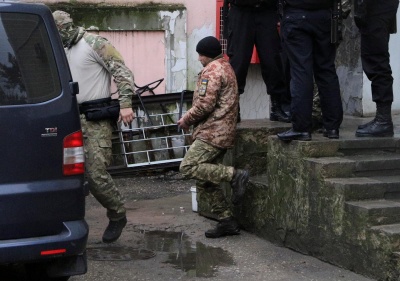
x=253, y=3
x=310, y=4
x=379, y=7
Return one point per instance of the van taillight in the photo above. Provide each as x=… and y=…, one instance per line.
x=53, y=252
x=74, y=155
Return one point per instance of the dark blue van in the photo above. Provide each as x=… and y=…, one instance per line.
x=42, y=193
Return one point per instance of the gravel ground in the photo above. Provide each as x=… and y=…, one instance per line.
x=149, y=185
x=153, y=185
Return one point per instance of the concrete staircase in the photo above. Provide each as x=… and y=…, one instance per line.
x=365, y=176
x=338, y=200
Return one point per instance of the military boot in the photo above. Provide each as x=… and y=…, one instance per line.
x=381, y=125
x=114, y=230
x=277, y=113
x=362, y=126
x=225, y=227
x=238, y=184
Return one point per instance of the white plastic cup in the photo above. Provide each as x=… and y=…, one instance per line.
x=194, y=198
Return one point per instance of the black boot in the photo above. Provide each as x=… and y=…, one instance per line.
x=277, y=113
x=225, y=227
x=381, y=126
x=114, y=230
x=238, y=184
x=362, y=126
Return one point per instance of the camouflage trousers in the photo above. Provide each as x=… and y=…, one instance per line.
x=203, y=162
x=97, y=144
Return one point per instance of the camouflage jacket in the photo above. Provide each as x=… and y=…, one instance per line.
x=93, y=61
x=215, y=105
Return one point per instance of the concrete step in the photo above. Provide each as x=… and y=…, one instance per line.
x=388, y=229
x=378, y=164
x=364, y=188
x=368, y=145
x=392, y=233
x=374, y=212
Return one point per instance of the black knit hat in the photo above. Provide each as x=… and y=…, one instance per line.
x=209, y=47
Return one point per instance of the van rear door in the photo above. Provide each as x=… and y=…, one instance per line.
x=38, y=117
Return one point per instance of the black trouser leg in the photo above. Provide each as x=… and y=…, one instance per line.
x=375, y=57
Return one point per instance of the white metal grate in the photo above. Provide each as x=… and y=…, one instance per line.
x=158, y=143
x=222, y=40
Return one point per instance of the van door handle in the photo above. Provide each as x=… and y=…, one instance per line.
x=74, y=87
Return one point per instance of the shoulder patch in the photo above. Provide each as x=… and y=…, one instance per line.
x=203, y=87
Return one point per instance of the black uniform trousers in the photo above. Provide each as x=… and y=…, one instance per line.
x=249, y=26
x=375, y=60
x=306, y=37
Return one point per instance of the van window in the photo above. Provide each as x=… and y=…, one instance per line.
x=28, y=72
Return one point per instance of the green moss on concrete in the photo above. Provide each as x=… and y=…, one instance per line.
x=294, y=206
x=251, y=149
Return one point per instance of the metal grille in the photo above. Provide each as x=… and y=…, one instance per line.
x=150, y=143
x=222, y=40
x=220, y=25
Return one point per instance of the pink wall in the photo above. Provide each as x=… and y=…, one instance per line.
x=144, y=54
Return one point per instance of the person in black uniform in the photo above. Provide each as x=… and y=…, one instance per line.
x=376, y=20
x=254, y=23
x=306, y=31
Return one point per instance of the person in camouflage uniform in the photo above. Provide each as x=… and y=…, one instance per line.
x=93, y=61
x=214, y=116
